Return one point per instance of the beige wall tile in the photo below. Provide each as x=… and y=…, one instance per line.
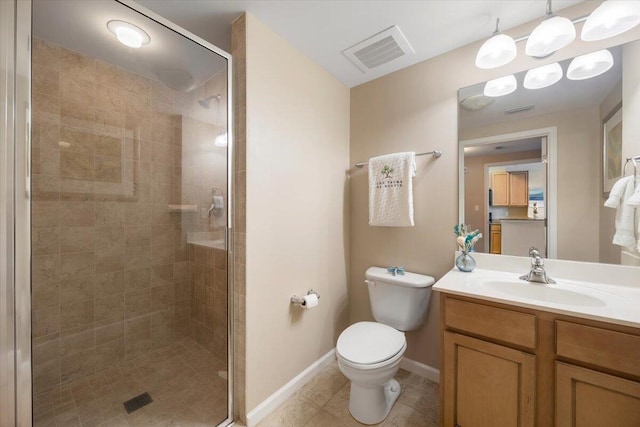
x=108, y=169
x=79, y=141
x=137, y=303
x=137, y=214
x=45, y=214
x=137, y=279
x=137, y=325
x=76, y=165
x=109, y=332
x=76, y=290
x=77, y=365
x=162, y=274
x=45, y=321
x=138, y=236
x=44, y=294
x=78, y=239
x=76, y=315
x=45, y=241
x=109, y=283
x=109, y=308
x=109, y=214
x=109, y=260
x=77, y=342
x=109, y=238
x=77, y=214
x=76, y=265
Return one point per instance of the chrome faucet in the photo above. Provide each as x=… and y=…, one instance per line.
x=537, y=273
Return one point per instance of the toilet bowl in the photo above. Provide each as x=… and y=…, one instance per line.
x=369, y=355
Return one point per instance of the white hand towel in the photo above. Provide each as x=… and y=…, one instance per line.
x=391, y=190
x=625, y=235
x=634, y=200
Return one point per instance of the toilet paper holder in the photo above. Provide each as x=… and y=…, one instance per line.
x=300, y=300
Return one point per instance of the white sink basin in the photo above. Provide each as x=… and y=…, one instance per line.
x=557, y=294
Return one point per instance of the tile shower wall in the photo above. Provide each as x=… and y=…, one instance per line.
x=110, y=271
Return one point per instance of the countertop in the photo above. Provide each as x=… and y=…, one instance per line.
x=612, y=303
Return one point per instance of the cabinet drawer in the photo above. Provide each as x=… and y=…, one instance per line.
x=614, y=350
x=491, y=322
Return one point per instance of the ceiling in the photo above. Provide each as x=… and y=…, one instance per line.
x=322, y=29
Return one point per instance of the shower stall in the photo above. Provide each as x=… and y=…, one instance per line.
x=115, y=219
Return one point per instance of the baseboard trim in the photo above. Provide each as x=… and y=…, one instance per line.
x=261, y=411
x=425, y=371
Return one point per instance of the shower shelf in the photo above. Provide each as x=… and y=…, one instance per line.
x=183, y=208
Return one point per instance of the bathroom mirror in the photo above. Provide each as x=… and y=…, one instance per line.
x=531, y=162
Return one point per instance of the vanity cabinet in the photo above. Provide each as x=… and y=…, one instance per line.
x=510, y=188
x=504, y=365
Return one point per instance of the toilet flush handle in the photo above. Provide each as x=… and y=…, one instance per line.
x=370, y=282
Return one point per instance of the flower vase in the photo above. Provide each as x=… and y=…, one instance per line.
x=465, y=262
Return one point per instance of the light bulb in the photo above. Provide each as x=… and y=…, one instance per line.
x=552, y=34
x=128, y=34
x=499, y=50
x=611, y=18
x=541, y=77
x=590, y=65
x=500, y=87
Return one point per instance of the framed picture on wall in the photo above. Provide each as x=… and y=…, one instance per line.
x=611, y=149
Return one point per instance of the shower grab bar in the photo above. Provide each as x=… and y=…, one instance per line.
x=434, y=153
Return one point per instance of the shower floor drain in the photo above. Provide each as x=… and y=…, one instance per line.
x=137, y=402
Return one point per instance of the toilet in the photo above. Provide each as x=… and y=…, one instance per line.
x=369, y=353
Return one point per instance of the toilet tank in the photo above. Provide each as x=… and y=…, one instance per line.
x=399, y=301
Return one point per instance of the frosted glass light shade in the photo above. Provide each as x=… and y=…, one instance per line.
x=500, y=87
x=590, y=65
x=541, y=77
x=128, y=34
x=611, y=18
x=552, y=34
x=497, y=51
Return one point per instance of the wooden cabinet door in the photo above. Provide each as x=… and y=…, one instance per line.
x=486, y=385
x=500, y=188
x=495, y=239
x=586, y=398
x=519, y=188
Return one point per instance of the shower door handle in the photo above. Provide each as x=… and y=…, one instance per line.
x=27, y=152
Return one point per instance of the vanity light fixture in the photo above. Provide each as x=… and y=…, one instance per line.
x=611, y=18
x=552, y=34
x=500, y=87
x=590, y=65
x=128, y=34
x=541, y=77
x=499, y=50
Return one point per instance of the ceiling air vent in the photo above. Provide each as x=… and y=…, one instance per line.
x=378, y=49
x=520, y=109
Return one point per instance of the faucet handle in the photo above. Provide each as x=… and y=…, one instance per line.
x=534, y=252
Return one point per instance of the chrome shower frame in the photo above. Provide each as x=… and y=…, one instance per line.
x=15, y=208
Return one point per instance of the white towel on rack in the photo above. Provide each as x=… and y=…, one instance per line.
x=391, y=190
x=625, y=234
x=634, y=200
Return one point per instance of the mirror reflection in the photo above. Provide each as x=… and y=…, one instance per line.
x=538, y=163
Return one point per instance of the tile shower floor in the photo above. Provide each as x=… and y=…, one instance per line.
x=324, y=402
x=184, y=380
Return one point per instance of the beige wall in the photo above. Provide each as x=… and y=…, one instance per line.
x=416, y=109
x=609, y=253
x=297, y=151
x=579, y=194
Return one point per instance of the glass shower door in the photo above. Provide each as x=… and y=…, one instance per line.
x=130, y=219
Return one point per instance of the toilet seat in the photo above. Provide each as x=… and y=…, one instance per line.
x=370, y=343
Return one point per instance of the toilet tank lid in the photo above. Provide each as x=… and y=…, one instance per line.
x=412, y=280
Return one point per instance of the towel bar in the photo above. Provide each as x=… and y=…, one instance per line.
x=434, y=153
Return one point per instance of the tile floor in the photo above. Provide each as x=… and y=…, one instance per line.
x=324, y=402
x=183, y=380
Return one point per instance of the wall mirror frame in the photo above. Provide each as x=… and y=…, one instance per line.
x=564, y=154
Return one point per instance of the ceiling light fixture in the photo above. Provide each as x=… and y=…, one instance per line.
x=611, y=18
x=541, y=77
x=128, y=34
x=500, y=87
x=552, y=34
x=499, y=50
x=590, y=65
